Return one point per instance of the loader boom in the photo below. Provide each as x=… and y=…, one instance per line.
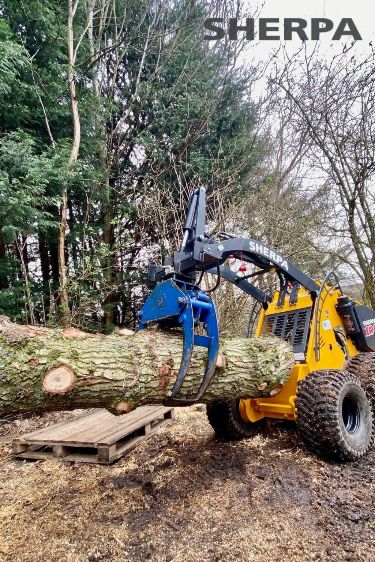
x=294, y=314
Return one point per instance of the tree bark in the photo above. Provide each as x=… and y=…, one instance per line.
x=44, y=258
x=64, y=311
x=21, y=247
x=3, y=268
x=43, y=369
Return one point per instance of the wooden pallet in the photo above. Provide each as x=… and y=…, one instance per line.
x=96, y=437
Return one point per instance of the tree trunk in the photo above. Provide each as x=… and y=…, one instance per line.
x=44, y=258
x=106, y=203
x=108, y=263
x=43, y=369
x=64, y=312
x=23, y=257
x=54, y=261
x=3, y=265
x=63, y=308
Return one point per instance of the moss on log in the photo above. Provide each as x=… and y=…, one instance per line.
x=49, y=369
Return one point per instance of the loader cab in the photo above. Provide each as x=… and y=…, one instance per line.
x=289, y=320
x=316, y=332
x=324, y=330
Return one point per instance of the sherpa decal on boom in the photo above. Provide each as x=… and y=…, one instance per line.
x=268, y=253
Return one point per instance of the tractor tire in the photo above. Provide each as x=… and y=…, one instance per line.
x=225, y=418
x=363, y=367
x=334, y=415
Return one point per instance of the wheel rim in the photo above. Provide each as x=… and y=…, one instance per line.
x=350, y=414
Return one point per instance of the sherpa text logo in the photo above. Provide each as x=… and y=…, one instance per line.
x=270, y=29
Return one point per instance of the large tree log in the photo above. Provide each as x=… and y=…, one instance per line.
x=43, y=369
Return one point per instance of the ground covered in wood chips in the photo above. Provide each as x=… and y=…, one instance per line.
x=184, y=496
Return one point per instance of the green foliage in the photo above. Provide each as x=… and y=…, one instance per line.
x=13, y=58
x=160, y=113
x=24, y=177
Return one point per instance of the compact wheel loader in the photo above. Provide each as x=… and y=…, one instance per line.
x=330, y=393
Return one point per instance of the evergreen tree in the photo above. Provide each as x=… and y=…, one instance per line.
x=160, y=112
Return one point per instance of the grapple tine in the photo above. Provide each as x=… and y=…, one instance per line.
x=177, y=303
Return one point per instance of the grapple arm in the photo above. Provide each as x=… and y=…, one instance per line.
x=179, y=304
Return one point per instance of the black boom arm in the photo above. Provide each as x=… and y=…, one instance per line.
x=178, y=302
x=200, y=252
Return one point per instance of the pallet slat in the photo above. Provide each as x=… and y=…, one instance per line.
x=95, y=427
x=103, y=438
x=107, y=422
x=59, y=429
x=111, y=425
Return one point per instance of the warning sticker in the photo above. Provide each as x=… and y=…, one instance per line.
x=369, y=326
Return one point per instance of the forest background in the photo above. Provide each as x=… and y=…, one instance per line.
x=113, y=111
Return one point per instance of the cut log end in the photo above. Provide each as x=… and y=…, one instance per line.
x=4, y=319
x=220, y=361
x=59, y=380
x=123, y=408
x=74, y=334
x=276, y=390
x=125, y=332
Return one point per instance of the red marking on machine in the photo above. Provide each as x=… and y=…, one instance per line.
x=370, y=330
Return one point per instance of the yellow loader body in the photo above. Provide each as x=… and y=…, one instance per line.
x=324, y=349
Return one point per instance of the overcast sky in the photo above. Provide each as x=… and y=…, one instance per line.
x=361, y=11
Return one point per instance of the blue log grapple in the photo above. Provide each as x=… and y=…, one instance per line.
x=176, y=303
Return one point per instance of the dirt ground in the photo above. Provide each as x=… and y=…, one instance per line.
x=184, y=496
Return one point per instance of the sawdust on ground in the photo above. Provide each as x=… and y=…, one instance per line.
x=184, y=496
